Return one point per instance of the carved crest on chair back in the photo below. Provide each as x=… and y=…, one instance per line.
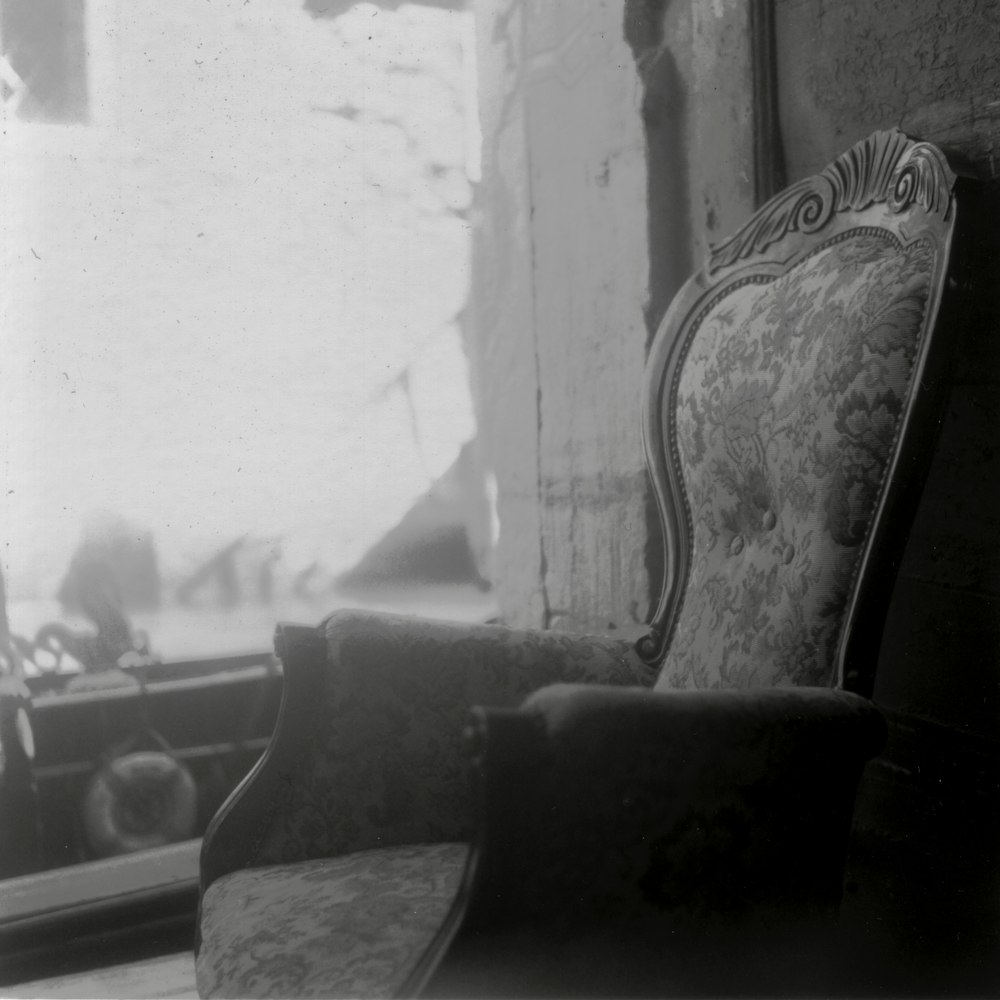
x=784, y=396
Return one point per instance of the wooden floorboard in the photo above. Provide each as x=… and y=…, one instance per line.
x=167, y=978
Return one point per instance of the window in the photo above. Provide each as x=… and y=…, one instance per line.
x=235, y=240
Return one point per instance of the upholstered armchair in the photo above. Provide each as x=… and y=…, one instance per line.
x=476, y=810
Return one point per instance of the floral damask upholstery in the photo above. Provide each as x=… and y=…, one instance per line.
x=351, y=926
x=788, y=406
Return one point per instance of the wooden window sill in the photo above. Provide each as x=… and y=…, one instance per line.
x=99, y=912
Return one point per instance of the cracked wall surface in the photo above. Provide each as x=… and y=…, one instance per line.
x=246, y=271
x=561, y=275
x=611, y=137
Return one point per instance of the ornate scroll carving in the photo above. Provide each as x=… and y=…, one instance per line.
x=886, y=167
x=922, y=177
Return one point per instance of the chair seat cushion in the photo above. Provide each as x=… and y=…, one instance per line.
x=352, y=926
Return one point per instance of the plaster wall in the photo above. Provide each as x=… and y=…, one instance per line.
x=207, y=279
x=615, y=148
x=924, y=867
x=560, y=271
x=845, y=69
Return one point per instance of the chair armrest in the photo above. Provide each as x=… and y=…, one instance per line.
x=726, y=807
x=368, y=748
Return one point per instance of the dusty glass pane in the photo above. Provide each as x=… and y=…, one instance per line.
x=235, y=240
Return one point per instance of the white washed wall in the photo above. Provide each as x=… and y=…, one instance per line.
x=561, y=270
x=212, y=291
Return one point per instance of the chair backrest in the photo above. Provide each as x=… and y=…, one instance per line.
x=789, y=394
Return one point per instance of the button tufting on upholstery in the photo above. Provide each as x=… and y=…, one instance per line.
x=769, y=520
x=736, y=545
x=788, y=554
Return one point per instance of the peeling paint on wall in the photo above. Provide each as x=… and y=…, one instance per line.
x=561, y=282
x=619, y=140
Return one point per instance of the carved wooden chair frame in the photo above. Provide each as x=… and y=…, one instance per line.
x=887, y=183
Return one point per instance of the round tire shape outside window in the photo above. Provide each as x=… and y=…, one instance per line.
x=137, y=802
